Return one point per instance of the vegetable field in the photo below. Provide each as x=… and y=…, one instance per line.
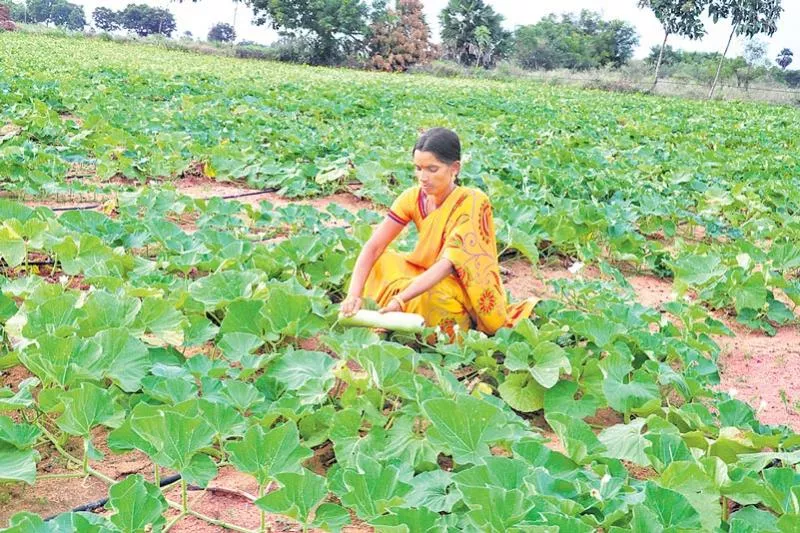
x=149, y=331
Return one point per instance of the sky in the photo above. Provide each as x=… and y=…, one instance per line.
x=200, y=16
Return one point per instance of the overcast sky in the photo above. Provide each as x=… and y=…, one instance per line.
x=200, y=16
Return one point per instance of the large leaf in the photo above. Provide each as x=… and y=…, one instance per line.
x=373, y=488
x=626, y=441
x=299, y=494
x=465, y=427
x=137, y=504
x=17, y=465
x=176, y=434
x=664, y=510
x=86, y=407
x=308, y=374
x=580, y=442
x=267, y=453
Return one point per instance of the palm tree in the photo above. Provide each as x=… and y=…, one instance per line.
x=784, y=58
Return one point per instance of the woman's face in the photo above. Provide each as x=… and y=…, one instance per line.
x=435, y=178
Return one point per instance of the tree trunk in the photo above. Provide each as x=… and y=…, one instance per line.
x=719, y=67
x=658, y=64
x=747, y=80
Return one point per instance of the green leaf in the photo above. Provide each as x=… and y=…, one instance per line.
x=221, y=288
x=86, y=407
x=107, y=311
x=225, y=419
x=373, y=488
x=300, y=492
x=22, y=399
x=408, y=519
x=753, y=520
x=664, y=510
x=175, y=433
x=579, y=441
x=434, y=491
x=58, y=317
x=308, y=374
x=690, y=480
x=331, y=517
x=12, y=246
x=561, y=399
x=138, y=505
x=626, y=442
x=125, y=357
x=522, y=392
x=20, y=435
x=17, y=465
x=265, y=454
x=465, y=426
x=665, y=448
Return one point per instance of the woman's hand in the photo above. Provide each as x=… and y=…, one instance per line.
x=392, y=307
x=351, y=305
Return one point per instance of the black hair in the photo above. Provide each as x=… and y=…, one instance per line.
x=442, y=143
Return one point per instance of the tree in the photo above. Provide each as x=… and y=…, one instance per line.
x=460, y=21
x=679, y=17
x=755, y=54
x=144, y=20
x=399, y=38
x=67, y=15
x=748, y=17
x=575, y=42
x=222, y=33
x=784, y=59
x=106, y=19
x=335, y=27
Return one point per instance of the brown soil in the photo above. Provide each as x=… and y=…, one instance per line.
x=761, y=370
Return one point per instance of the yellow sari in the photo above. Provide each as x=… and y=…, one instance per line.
x=461, y=230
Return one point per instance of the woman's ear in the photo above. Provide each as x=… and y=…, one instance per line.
x=456, y=167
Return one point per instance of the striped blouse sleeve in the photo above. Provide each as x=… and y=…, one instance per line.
x=402, y=210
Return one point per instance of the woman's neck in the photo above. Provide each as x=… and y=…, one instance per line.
x=439, y=200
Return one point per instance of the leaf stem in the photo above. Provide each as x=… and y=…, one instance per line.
x=263, y=513
x=184, y=498
x=70, y=457
x=174, y=521
x=85, y=456
x=65, y=475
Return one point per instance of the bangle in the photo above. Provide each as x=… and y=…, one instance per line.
x=396, y=298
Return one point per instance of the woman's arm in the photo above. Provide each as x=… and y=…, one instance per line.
x=422, y=283
x=383, y=235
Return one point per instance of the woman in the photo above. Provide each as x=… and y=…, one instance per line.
x=452, y=278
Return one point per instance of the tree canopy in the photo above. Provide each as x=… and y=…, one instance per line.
x=472, y=33
x=222, y=32
x=575, y=41
x=335, y=27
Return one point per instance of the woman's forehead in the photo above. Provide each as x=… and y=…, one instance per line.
x=423, y=158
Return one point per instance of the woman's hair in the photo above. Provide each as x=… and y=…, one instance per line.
x=442, y=143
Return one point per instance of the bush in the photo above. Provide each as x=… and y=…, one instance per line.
x=255, y=51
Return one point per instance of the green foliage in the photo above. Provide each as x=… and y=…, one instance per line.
x=335, y=26
x=472, y=33
x=60, y=13
x=574, y=42
x=106, y=19
x=144, y=20
x=222, y=32
x=194, y=345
